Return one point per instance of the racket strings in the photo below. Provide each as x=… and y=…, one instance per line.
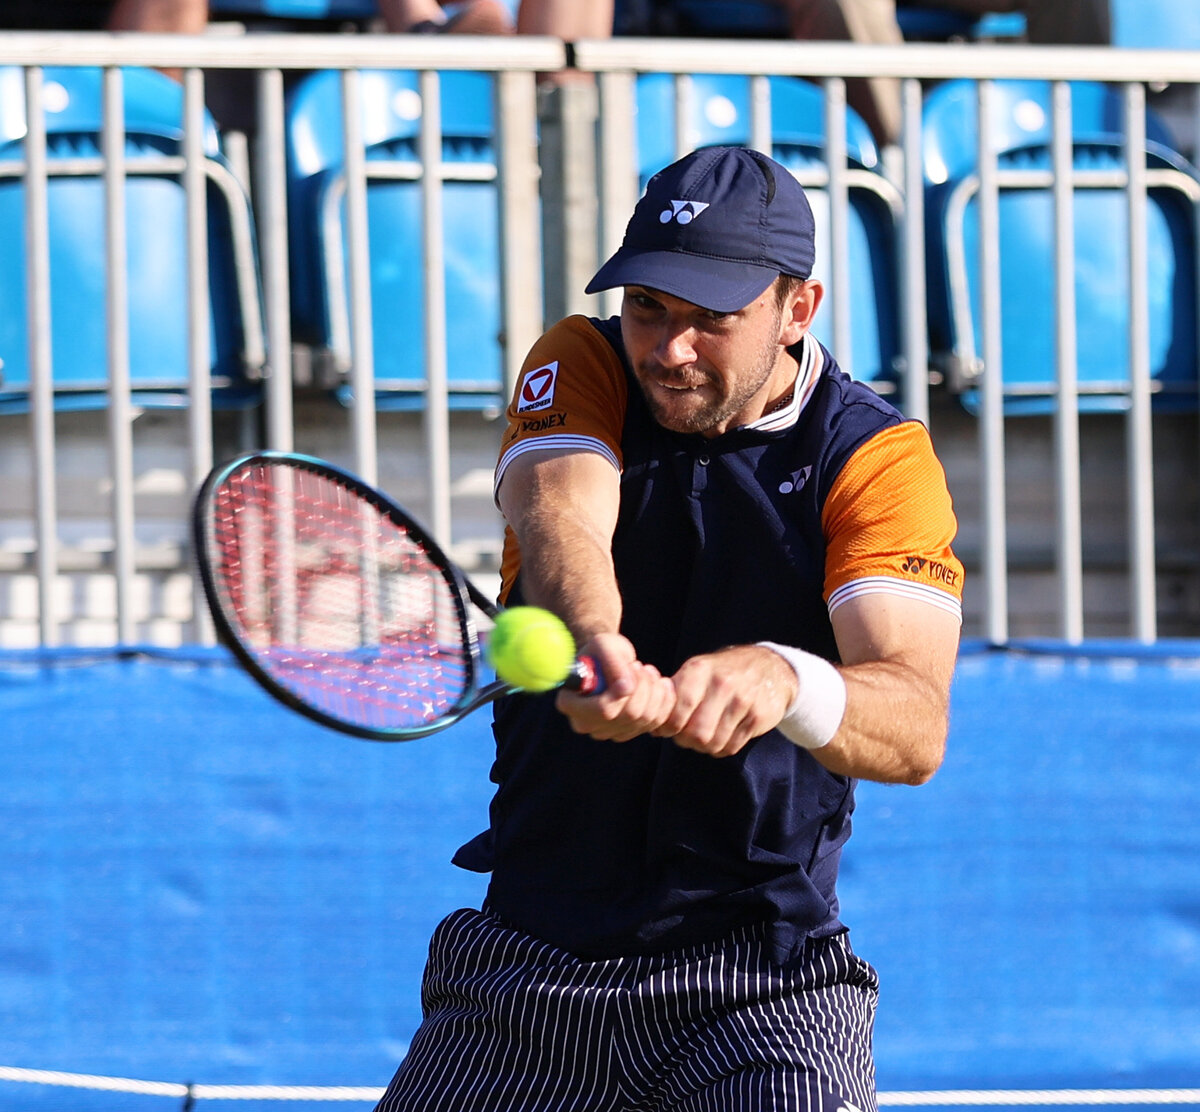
x=339, y=604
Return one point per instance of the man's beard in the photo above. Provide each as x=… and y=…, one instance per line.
x=701, y=415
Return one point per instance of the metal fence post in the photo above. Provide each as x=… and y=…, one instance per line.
x=570, y=214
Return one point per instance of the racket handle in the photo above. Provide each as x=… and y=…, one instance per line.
x=586, y=677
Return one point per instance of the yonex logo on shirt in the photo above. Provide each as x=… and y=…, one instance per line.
x=682, y=212
x=932, y=569
x=796, y=481
x=537, y=388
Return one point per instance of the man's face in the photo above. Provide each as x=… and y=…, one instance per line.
x=702, y=371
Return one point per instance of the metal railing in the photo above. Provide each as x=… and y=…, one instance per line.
x=270, y=56
x=522, y=181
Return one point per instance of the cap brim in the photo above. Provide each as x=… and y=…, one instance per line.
x=715, y=284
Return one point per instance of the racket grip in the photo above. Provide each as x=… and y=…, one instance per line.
x=586, y=677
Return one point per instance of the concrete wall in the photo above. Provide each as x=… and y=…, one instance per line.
x=86, y=592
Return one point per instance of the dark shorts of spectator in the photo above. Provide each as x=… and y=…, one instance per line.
x=55, y=15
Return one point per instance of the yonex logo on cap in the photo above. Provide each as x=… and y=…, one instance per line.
x=682, y=212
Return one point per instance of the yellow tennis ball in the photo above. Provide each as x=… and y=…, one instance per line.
x=531, y=648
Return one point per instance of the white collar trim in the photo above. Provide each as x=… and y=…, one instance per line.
x=806, y=382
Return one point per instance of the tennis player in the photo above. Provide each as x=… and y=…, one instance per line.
x=756, y=549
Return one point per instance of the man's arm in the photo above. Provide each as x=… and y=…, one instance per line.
x=898, y=658
x=897, y=653
x=562, y=506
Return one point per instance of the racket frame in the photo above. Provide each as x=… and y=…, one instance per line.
x=464, y=594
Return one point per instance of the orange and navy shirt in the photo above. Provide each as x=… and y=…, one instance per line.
x=754, y=535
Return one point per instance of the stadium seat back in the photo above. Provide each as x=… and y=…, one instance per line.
x=1021, y=118
x=155, y=246
x=1102, y=296
x=73, y=101
x=391, y=121
x=1156, y=24
x=1022, y=136
x=720, y=115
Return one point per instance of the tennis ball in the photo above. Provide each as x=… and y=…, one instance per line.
x=531, y=648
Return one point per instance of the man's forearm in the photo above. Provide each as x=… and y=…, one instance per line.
x=894, y=726
x=566, y=568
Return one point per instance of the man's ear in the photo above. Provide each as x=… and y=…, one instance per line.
x=799, y=310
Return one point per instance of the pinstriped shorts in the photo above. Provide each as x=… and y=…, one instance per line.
x=513, y=1024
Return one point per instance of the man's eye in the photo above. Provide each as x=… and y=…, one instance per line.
x=714, y=316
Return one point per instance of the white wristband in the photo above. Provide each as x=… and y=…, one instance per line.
x=816, y=713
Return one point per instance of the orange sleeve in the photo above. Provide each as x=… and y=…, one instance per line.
x=571, y=394
x=889, y=523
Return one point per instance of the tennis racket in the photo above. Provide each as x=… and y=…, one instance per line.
x=338, y=603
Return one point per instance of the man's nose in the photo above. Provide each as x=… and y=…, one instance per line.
x=676, y=345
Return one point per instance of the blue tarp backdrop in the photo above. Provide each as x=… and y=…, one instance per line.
x=198, y=885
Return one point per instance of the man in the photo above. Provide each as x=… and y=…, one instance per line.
x=755, y=549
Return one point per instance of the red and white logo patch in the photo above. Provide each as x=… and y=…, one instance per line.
x=537, y=389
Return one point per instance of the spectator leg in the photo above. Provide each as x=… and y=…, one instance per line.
x=876, y=99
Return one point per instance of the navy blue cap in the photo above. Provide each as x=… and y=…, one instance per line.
x=715, y=228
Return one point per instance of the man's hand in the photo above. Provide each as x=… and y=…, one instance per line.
x=636, y=700
x=726, y=698
x=714, y=704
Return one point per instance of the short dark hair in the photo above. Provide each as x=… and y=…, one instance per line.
x=785, y=286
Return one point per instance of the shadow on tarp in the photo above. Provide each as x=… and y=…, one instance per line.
x=200, y=885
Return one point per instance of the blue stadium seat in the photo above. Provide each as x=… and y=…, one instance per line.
x=297, y=9
x=316, y=185
x=1021, y=120
x=73, y=100
x=720, y=114
x=1156, y=24
x=922, y=24
x=156, y=248
x=1021, y=131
